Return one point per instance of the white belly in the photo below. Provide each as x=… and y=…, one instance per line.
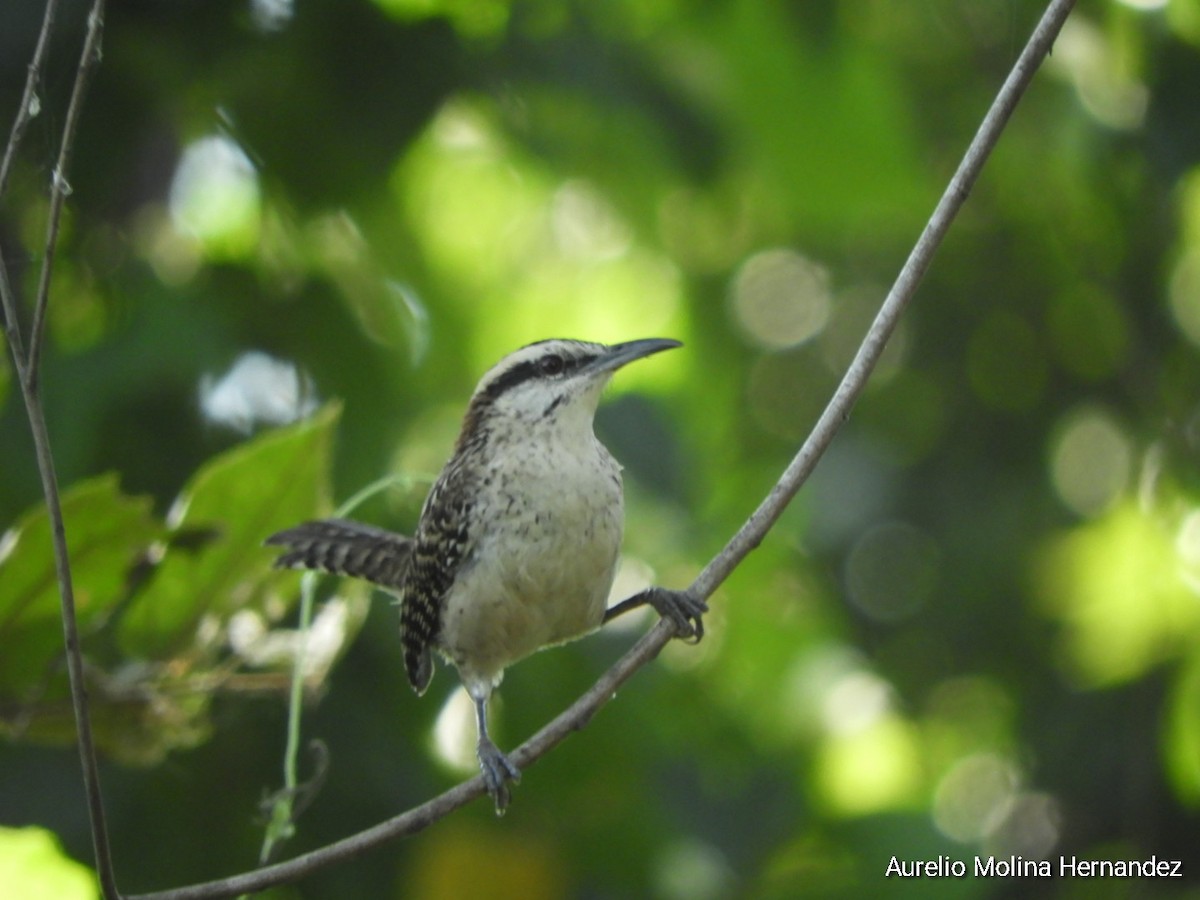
x=542, y=573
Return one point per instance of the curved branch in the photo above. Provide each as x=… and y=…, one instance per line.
x=408, y=823
x=905, y=286
x=27, y=364
x=746, y=539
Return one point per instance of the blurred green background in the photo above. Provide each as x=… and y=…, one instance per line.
x=299, y=233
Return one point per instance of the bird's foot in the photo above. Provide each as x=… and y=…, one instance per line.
x=497, y=771
x=682, y=608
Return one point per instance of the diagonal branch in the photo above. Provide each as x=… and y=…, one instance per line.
x=838, y=410
x=29, y=101
x=421, y=817
x=27, y=376
x=60, y=188
x=25, y=113
x=747, y=538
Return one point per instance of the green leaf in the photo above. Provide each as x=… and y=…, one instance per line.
x=1116, y=585
x=239, y=497
x=34, y=866
x=106, y=532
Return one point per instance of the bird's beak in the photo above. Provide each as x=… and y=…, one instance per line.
x=621, y=354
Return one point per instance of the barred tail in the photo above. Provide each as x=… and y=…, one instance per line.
x=345, y=548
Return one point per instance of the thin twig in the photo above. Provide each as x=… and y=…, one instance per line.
x=29, y=100
x=905, y=286
x=60, y=187
x=27, y=376
x=746, y=539
x=25, y=114
x=12, y=328
x=421, y=817
x=75, y=669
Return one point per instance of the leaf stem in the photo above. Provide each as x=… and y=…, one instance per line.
x=280, y=822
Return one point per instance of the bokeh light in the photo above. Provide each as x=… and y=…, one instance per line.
x=1030, y=829
x=855, y=702
x=974, y=797
x=272, y=15
x=781, y=298
x=533, y=255
x=585, y=226
x=215, y=197
x=1084, y=54
x=1187, y=545
x=891, y=570
x=1091, y=460
x=693, y=870
x=1116, y=583
x=454, y=732
x=257, y=389
x=1183, y=295
x=870, y=770
x=1145, y=5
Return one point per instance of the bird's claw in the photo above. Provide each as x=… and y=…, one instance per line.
x=497, y=771
x=685, y=611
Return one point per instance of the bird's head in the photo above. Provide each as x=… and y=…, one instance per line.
x=554, y=381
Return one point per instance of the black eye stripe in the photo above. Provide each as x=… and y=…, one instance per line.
x=534, y=368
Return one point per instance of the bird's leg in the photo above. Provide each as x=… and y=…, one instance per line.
x=683, y=609
x=497, y=768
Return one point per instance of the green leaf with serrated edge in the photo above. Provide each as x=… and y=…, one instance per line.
x=239, y=497
x=106, y=532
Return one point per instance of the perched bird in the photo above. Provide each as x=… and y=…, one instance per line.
x=517, y=543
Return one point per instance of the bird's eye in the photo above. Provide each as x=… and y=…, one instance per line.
x=552, y=365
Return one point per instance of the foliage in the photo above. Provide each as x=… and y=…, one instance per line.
x=33, y=866
x=976, y=631
x=172, y=612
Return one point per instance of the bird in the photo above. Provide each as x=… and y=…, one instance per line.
x=516, y=545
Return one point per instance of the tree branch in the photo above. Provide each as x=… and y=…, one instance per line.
x=29, y=101
x=21, y=120
x=838, y=410
x=421, y=817
x=746, y=539
x=27, y=376
x=60, y=188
